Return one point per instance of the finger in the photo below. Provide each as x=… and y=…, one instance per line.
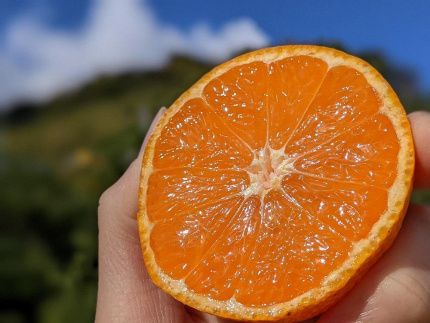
x=125, y=190
x=126, y=293
x=397, y=288
x=151, y=129
x=420, y=124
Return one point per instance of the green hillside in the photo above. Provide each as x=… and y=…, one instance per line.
x=57, y=158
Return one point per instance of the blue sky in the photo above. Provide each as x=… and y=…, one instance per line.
x=400, y=29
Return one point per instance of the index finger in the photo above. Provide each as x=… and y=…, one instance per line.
x=420, y=124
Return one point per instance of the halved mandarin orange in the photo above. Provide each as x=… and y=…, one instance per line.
x=273, y=183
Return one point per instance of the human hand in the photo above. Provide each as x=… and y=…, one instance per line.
x=396, y=289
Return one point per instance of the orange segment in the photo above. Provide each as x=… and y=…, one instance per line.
x=218, y=273
x=346, y=209
x=189, y=235
x=177, y=191
x=344, y=99
x=364, y=153
x=289, y=240
x=272, y=184
x=293, y=84
x=196, y=137
x=239, y=97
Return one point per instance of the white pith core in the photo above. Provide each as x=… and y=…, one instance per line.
x=267, y=170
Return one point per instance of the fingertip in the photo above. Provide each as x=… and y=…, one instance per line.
x=151, y=129
x=420, y=125
x=121, y=197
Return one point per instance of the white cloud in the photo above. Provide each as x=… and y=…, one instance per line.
x=37, y=62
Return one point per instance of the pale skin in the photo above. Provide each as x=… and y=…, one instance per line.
x=396, y=289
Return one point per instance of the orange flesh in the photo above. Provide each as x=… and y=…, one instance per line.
x=261, y=186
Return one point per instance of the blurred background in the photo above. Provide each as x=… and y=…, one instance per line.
x=80, y=82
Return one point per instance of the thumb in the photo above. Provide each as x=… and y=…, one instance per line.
x=125, y=291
